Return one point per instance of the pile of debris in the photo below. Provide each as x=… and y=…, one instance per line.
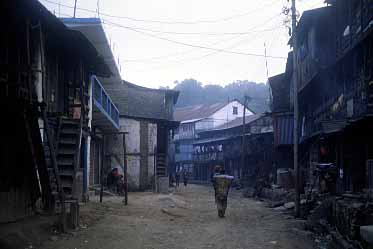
x=344, y=221
x=347, y=218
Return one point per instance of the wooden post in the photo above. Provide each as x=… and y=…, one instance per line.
x=296, y=109
x=102, y=167
x=155, y=171
x=125, y=167
x=243, y=142
x=74, y=214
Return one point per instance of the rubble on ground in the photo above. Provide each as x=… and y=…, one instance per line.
x=344, y=221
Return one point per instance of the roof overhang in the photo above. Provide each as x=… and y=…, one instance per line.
x=93, y=30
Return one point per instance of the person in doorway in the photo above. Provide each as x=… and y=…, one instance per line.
x=177, y=179
x=222, y=183
x=185, y=178
x=112, y=180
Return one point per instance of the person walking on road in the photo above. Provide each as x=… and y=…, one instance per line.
x=185, y=178
x=177, y=179
x=222, y=183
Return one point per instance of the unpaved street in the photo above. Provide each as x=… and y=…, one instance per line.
x=186, y=218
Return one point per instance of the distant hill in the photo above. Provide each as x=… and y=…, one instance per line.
x=192, y=93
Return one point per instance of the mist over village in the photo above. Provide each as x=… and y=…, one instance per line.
x=186, y=124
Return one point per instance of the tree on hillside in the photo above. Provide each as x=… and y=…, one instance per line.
x=192, y=93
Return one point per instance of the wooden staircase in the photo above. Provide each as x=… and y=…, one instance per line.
x=62, y=154
x=68, y=140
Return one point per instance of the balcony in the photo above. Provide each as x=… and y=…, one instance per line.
x=105, y=113
x=208, y=157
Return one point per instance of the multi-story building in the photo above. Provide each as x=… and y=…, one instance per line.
x=195, y=119
x=336, y=91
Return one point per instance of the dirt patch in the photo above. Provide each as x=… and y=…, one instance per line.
x=187, y=218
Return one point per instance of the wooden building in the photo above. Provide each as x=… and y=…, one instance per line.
x=335, y=92
x=223, y=146
x=199, y=118
x=282, y=114
x=148, y=117
x=45, y=75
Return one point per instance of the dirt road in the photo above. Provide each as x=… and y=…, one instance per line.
x=184, y=219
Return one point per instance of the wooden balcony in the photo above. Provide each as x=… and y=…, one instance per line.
x=105, y=113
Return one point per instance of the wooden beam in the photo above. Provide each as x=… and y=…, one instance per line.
x=102, y=167
x=125, y=170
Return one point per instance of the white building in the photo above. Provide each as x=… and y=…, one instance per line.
x=195, y=119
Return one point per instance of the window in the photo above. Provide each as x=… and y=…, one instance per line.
x=235, y=110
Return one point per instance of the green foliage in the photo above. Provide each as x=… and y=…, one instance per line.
x=193, y=93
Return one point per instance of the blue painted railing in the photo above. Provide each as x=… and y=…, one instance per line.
x=103, y=102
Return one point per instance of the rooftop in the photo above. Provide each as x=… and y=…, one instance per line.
x=141, y=102
x=197, y=112
x=93, y=29
x=239, y=122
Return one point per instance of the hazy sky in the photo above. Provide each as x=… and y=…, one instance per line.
x=155, y=44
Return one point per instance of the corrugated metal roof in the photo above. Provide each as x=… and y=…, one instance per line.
x=283, y=129
x=329, y=127
x=197, y=111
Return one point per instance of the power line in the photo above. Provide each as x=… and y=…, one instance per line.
x=191, y=45
x=191, y=33
x=169, y=22
x=200, y=33
x=178, y=62
x=252, y=39
x=215, y=43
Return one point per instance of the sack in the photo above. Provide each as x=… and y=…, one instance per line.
x=222, y=184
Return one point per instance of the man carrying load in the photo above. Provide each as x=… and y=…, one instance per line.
x=222, y=183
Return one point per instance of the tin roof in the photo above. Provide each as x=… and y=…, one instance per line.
x=283, y=126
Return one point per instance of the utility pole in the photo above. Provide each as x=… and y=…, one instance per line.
x=243, y=144
x=296, y=108
x=75, y=8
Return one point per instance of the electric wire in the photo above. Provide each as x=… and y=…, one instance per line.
x=180, y=62
x=215, y=43
x=162, y=21
x=192, y=45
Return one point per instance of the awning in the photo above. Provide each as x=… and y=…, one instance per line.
x=328, y=127
x=212, y=140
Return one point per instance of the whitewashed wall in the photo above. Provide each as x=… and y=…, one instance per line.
x=132, y=126
x=225, y=114
x=132, y=148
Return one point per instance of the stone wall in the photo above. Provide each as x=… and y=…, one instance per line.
x=141, y=141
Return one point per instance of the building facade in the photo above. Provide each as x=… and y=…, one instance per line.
x=223, y=146
x=147, y=117
x=47, y=74
x=196, y=119
x=335, y=75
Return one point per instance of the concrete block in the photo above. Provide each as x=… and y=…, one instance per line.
x=289, y=205
x=163, y=184
x=366, y=233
